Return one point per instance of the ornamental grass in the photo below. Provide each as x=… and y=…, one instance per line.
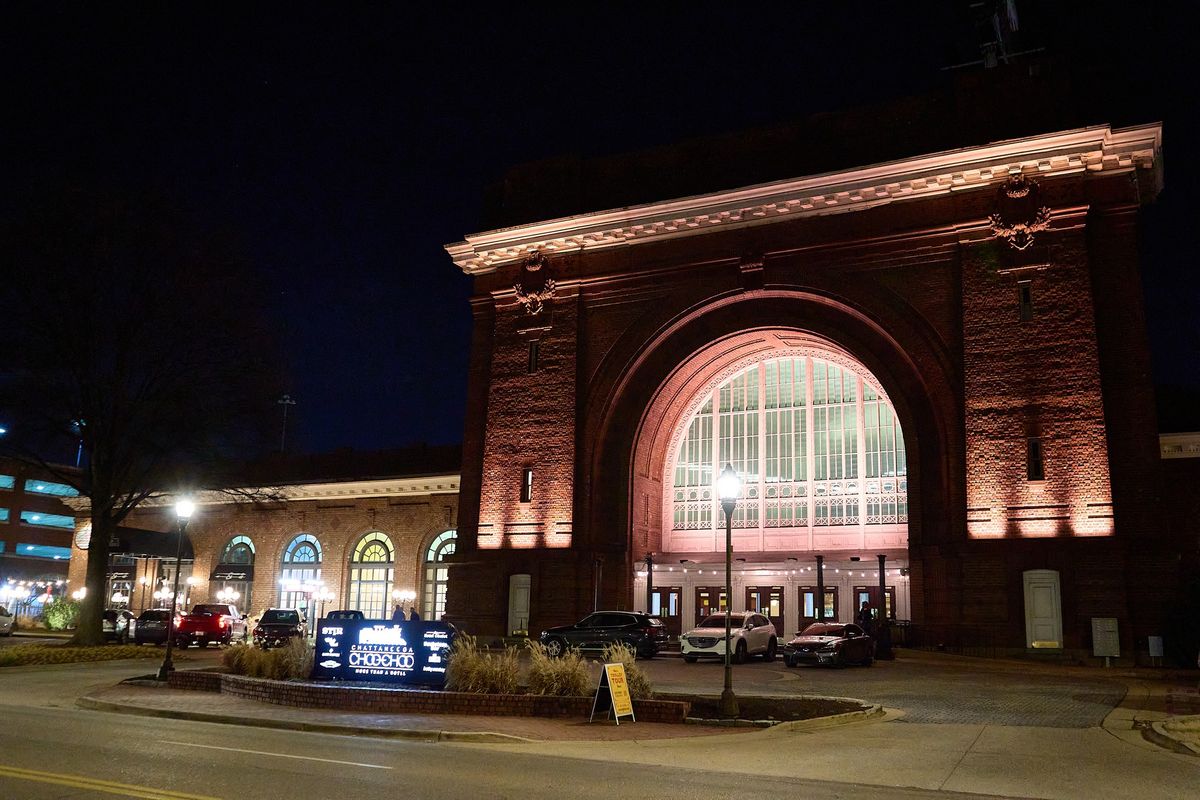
x=472, y=670
x=566, y=676
x=36, y=654
x=291, y=662
x=639, y=684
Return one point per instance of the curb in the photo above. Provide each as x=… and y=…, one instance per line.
x=477, y=737
x=846, y=718
x=1158, y=733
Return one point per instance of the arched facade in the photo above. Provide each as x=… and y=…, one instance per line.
x=671, y=337
x=300, y=570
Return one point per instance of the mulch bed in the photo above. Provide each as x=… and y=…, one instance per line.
x=783, y=709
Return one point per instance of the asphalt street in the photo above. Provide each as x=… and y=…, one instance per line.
x=51, y=749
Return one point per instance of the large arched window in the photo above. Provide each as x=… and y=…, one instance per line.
x=240, y=550
x=300, y=572
x=817, y=445
x=232, y=580
x=371, y=575
x=437, y=575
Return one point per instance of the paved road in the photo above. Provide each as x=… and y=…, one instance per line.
x=935, y=689
x=49, y=749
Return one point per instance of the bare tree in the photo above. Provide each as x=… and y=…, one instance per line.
x=128, y=329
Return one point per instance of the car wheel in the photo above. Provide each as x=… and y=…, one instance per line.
x=770, y=654
x=555, y=647
x=739, y=654
x=690, y=659
x=787, y=662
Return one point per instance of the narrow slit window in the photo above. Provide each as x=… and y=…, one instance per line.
x=527, y=484
x=1034, y=466
x=1025, y=300
x=534, y=352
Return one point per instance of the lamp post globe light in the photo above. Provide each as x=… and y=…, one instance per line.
x=184, y=509
x=729, y=487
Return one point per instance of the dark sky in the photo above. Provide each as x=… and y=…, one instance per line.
x=345, y=147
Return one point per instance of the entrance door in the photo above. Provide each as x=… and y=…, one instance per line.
x=666, y=603
x=808, y=605
x=709, y=600
x=768, y=601
x=871, y=595
x=1043, y=609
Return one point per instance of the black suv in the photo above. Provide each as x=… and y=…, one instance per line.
x=642, y=633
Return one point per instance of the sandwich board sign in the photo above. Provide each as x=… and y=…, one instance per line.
x=612, y=695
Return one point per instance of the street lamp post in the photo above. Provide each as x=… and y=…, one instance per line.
x=183, y=512
x=729, y=486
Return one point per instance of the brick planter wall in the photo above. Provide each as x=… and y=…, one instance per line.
x=196, y=680
x=424, y=701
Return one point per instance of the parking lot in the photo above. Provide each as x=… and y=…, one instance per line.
x=927, y=687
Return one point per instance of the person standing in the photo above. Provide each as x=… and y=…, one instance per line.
x=413, y=616
x=866, y=617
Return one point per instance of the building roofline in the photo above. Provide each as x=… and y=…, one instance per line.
x=1097, y=148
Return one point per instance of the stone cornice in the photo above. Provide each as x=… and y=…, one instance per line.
x=1094, y=149
x=1179, y=445
x=341, y=490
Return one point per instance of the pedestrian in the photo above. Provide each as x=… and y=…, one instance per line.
x=866, y=617
x=398, y=613
x=413, y=616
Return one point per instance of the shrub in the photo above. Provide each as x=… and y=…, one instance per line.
x=471, y=670
x=30, y=654
x=639, y=684
x=61, y=614
x=293, y=662
x=567, y=676
x=26, y=622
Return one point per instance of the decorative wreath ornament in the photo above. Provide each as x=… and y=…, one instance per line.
x=540, y=283
x=1019, y=212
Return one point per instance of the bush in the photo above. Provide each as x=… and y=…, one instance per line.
x=61, y=614
x=567, y=676
x=293, y=662
x=639, y=684
x=470, y=670
x=30, y=654
x=26, y=622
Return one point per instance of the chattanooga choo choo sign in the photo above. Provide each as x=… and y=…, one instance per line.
x=410, y=653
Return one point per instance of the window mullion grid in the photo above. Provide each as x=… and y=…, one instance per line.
x=762, y=454
x=810, y=449
x=861, y=457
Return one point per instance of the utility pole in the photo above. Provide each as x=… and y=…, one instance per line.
x=285, y=401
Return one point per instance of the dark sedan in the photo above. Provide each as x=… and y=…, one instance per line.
x=643, y=634
x=278, y=626
x=152, y=626
x=834, y=643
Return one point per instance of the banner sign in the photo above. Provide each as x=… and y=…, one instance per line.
x=406, y=653
x=612, y=695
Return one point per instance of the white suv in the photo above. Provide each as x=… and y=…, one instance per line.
x=7, y=622
x=750, y=634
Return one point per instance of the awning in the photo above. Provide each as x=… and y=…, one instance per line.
x=152, y=544
x=232, y=572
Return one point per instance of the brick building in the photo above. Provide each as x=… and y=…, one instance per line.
x=938, y=359
x=35, y=526
x=371, y=525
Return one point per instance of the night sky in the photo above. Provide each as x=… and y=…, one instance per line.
x=343, y=148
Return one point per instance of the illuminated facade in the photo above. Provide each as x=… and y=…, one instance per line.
x=935, y=363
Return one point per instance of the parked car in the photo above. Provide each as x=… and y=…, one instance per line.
x=642, y=633
x=152, y=626
x=8, y=622
x=750, y=634
x=345, y=613
x=832, y=643
x=278, y=626
x=210, y=622
x=115, y=625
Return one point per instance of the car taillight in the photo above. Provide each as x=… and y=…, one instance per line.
x=258, y=631
x=178, y=620
x=222, y=622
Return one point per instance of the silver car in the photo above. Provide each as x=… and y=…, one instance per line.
x=750, y=634
x=7, y=622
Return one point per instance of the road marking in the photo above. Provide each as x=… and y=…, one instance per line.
x=280, y=755
x=98, y=785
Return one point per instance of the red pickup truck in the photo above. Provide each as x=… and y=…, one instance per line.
x=210, y=622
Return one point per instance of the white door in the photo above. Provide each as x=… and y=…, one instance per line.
x=1043, y=609
x=518, y=604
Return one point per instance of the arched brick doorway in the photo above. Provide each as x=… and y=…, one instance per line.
x=631, y=443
